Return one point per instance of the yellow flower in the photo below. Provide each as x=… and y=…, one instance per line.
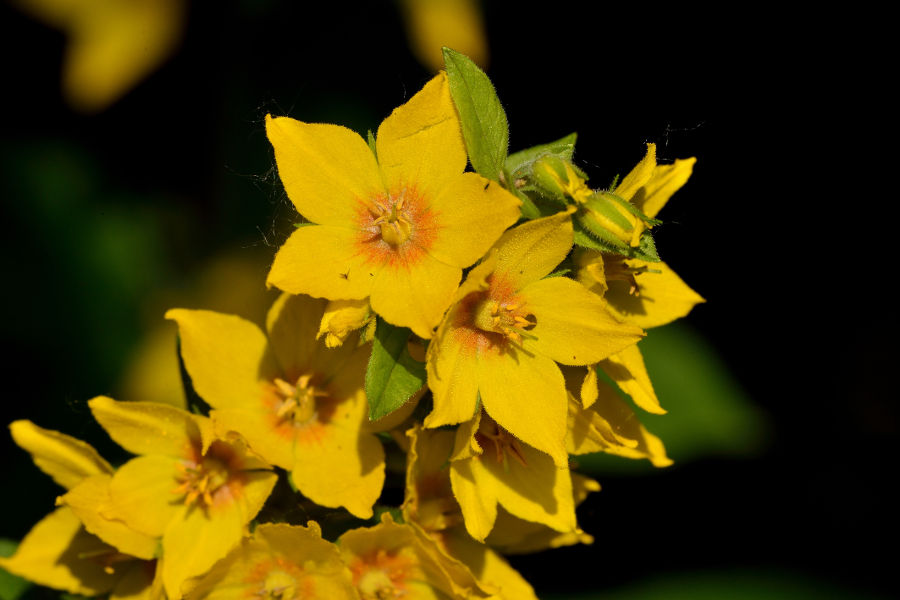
x=189, y=488
x=398, y=231
x=65, y=551
x=393, y=560
x=604, y=423
x=298, y=404
x=431, y=505
x=279, y=561
x=508, y=328
x=639, y=292
x=113, y=44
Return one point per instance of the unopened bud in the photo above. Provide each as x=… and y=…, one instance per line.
x=560, y=179
x=614, y=219
x=343, y=317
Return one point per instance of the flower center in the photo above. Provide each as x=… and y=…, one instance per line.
x=393, y=220
x=277, y=586
x=298, y=401
x=505, y=444
x=383, y=576
x=197, y=482
x=506, y=318
x=616, y=269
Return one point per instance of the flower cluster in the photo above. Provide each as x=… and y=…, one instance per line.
x=483, y=325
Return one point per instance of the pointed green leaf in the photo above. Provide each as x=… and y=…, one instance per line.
x=392, y=376
x=370, y=139
x=11, y=586
x=484, y=126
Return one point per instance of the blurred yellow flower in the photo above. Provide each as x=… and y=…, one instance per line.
x=398, y=230
x=112, y=44
x=433, y=24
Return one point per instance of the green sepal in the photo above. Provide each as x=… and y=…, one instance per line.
x=370, y=138
x=300, y=224
x=647, y=249
x=604, y=240
x=630, y=208
x=519, y=163
x=392, y=375
x=484, y=126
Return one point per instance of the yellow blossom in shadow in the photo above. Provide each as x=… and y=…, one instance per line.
x=66, y=551
x=279, y=561
x=112, y=44
x=398, y=229
x=191, y=489
x=508, y=328
x=300, y=405
x=398, y=560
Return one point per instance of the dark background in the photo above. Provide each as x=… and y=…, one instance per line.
x=775, y=229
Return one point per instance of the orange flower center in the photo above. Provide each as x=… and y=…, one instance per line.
x=503, y=442
x=298, y=401
x=201, y=481
x=397, y=228
x=506, y=318
x=279, y=579
x=383, y=575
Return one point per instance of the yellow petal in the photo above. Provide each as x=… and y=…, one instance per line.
x=344, y=468
x=627, y=369
x=66, y=459
x=52, y=554
x=589, y=387
x=146, y=427
x=610, y=426
x=327, y=170
x=196, y=538
x=260, y=430
x=471, y=213
x=455, y=24
x=429, y=498
x=476, y=499
x=536, y=491
x=573, y=326
x=324, y=262
x=489, y=567
x=421, y=142
x=142, y=494
x=665, y=181
x=226, y=356
x=291, y=323
x=662, y=297
x=415, y=296
x=90, y=502
x=532, y=250
x=638, y=176
x=526, y=395
x=452, y=361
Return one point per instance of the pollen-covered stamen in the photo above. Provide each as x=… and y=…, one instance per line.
x=197, y=482
x=394, y=222
x=298, y=400
x=504, y=443
x=506, y=318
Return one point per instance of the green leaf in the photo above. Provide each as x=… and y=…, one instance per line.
x=11, y=586
x=709, y=413
x=392, y=376
x=484, y=126
x=519, y=163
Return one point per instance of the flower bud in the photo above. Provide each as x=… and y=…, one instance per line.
x=560, y=178
x=613, y=219
x=342, y=317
